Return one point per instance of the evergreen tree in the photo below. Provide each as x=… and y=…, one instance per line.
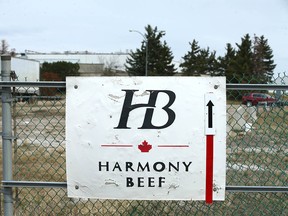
x=243, y=62
x=240, y=68
x=136, y=62
x=199, y=62
x=189, y=65
x=213, y=66
x=203, y=61
x=263, y=60
x=159, y=56
x=250, y=63
x=225, y=68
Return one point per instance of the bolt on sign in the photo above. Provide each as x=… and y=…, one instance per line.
x=146, y=138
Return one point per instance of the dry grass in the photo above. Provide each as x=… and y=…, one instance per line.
x=39, y=155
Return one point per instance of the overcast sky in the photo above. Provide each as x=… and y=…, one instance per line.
x=103, y=25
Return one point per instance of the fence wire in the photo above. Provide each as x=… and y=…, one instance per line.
x=257, y=155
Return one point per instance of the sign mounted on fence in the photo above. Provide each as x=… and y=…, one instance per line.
x=146, y=138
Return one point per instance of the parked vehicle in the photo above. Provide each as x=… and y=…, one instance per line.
x=254, y=99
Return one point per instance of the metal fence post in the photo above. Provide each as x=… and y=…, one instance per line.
x=7, y=134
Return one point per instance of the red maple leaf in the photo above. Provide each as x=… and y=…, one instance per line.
x=144, y=146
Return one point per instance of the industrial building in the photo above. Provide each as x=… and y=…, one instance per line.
x=91, y=64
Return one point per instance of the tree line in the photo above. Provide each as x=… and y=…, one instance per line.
x=251, y=61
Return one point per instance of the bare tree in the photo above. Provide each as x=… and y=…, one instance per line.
x=4, y=47
x=111, y=65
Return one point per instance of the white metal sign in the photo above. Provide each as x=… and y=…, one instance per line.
x=150, y=138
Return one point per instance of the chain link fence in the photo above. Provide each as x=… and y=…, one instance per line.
x=257, y=158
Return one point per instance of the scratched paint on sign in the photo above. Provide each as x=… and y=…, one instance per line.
x=144, y=138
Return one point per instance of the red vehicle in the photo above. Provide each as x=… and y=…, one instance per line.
x=253, y=99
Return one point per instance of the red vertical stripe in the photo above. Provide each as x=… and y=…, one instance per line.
x=209, y=168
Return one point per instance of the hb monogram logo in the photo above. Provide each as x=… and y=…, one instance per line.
x=151, y=105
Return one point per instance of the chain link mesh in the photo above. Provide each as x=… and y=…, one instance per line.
x=257, y=155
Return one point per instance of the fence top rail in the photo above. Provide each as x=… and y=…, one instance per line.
x=62, y=84
x=236, y=86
